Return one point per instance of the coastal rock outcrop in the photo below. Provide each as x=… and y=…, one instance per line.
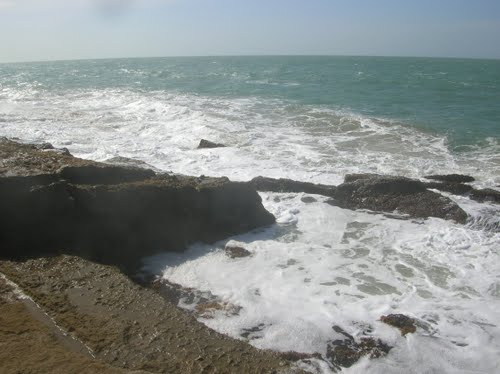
x=452, y=183
x=289, y=185
x=52, y=202
x=391, y=193
x=486, y=194
x=383, y=193
x=455, y=184
x=454, y=188
x=451, y=178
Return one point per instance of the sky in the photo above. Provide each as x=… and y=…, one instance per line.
x=39, y=30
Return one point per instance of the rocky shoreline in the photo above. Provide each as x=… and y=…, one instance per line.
x=74, y=231
x=125, y=327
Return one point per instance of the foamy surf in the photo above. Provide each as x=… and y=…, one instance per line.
x=322, y=266
x=272, y=138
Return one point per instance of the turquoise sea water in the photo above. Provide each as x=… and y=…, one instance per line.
x=455, y=97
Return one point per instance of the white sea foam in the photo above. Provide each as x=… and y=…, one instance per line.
x=266, y=137
x=319, y=265
x=322, y=266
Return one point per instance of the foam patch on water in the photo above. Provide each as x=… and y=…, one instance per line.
x=321, y=266
x=266, y=137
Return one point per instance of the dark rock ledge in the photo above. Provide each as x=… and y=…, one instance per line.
x=53, y=202
x=375, y=192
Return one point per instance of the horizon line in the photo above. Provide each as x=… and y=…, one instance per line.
x=249, y=55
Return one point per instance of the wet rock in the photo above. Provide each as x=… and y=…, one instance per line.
x=308, y=199
x=404, y=323
x=392, y=193
x=346, y=352
x=485, y=195
x=298, y=356
x=236, y=251
x=454, y=188
x=288, y=185
x=252, y=333
x=451, y=178
x=208, y=144
x=380, y=193
x=209, y=309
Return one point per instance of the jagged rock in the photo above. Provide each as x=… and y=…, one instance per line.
x=391, y=193
x=52, y=202
x=452, y=178
x=236, y=251
x=346, y=352
x=486, y=194
x=288, y=185
x=208, y=144
x=404, y=323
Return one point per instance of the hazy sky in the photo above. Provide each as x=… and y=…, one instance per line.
x=73, y=29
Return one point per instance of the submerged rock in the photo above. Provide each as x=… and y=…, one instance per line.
x=487, y=194
x=234, y=251
x=208, y=144
x=404, y=323
x=391, y=193
x=346, y=352
x=209, y=309
x=308, y=199
x=299, y=356
x=52, y=202
x=451, y=178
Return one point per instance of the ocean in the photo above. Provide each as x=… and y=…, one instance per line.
x=311, y=119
